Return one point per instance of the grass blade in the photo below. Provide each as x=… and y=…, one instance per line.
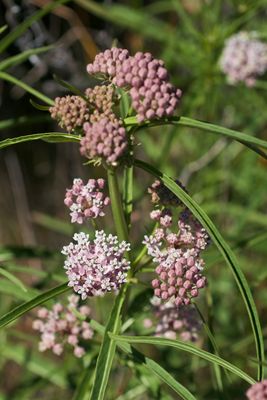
x=226, y=252
x=29, y=305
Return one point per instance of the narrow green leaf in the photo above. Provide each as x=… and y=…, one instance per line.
x=149, y=364
x=189, y=348
x=19, y=58
x=13, y=279
x=29, y=305
x=50, y=136
x=40, y=107
x=27, y=88
x=250, y=141
x=70, y=87
x=224, y=249
x=21, y=28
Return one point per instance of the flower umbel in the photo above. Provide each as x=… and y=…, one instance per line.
x=172, y=321
x=146, y=78
x=178, y=254
x=105, y=139
x=94, y=268
x=244, y=58
x=86, y=201
x=63, y=325
x=70, y=111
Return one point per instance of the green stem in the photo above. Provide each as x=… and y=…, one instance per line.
x=116, y=205
x=128, y=193
x=108, y=347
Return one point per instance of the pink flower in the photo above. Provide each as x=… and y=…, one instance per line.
x=61, y=326
x=94, y=268
x=105, y=140
x=86, y=201
x=70, y=111
x=172, y=321
x=177, y=253
x=153, y=96
x=244, y=58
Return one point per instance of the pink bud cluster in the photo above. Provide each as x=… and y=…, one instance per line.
x=105, y=139
x=153, y=96
x=108, y=62
x=102, y=100
x=178, y=255
x=172, y=321
x=86, y=201
x=70, y=111
x=63, y=325
x=244, y=58
x=94, y=268
x=258, y=391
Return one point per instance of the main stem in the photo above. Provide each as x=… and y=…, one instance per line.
x=108, y=347
x=116, y=205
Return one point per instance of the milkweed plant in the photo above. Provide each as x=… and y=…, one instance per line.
x=133, y=93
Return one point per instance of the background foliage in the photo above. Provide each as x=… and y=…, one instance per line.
x=226, y=179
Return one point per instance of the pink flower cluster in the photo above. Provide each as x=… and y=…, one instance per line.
x=94, y=268
x=153, y=96
x=71, y=112
x=173, y=321
x=258, y=391
x=86, y=201
x=63, y=325
x=244, y=58
x=178, y=255
x=105, y=139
